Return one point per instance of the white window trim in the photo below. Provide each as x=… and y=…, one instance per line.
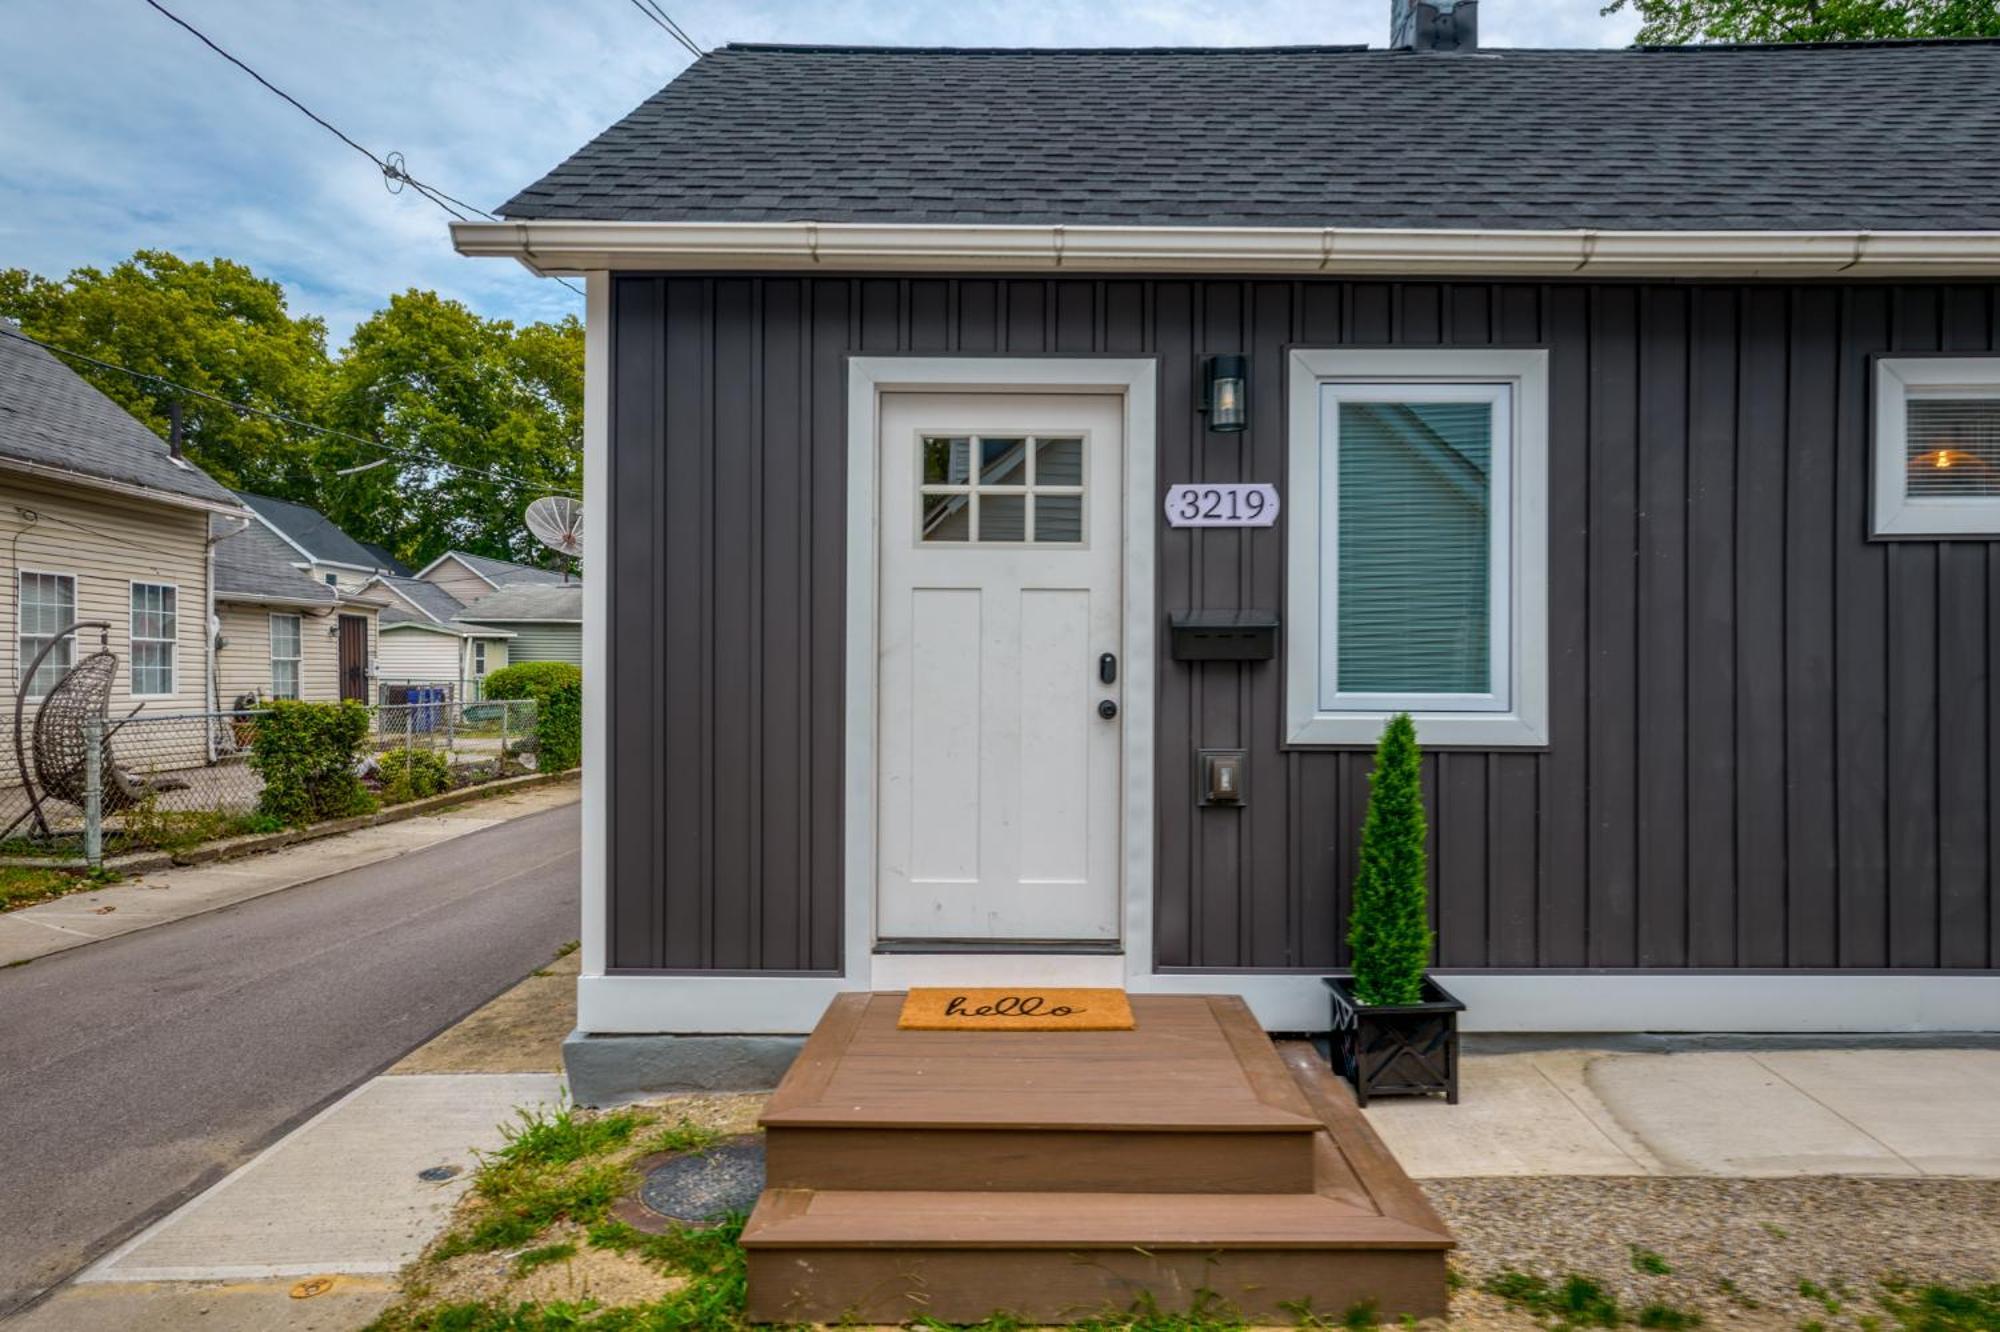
x=1894, y=513
x=272, y=657
x=1522, y=718
x=132, y=641
x=20, y=606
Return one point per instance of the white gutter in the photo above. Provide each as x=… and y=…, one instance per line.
x=66, y=477
x=550, y=247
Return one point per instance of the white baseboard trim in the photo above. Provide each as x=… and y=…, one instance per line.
x=1552, y=1002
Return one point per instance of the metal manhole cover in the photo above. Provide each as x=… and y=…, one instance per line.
x=699, y=1188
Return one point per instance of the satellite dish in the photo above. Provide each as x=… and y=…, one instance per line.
x=557, y=522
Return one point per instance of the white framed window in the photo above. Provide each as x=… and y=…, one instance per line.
x=155, y=631
x=45, y=604
x=1016, y=489
x=1937, y=447
x=1418, y=546
x=286, y=640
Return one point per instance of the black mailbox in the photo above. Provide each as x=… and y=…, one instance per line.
x=1223, y=635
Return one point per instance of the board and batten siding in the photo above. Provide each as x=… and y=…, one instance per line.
x=243, y=666
x=1772, y=739
x=106, y=543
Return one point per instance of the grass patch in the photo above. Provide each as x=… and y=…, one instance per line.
x=1576, y=1302
x=1668, y=1318
x=546, y=1171
x=683, y=1135
x=22, y=886
x=562, y=1136
x=1935, y=1308
x=528, y=1260
x=1648, y=1263
x=1829, y=1300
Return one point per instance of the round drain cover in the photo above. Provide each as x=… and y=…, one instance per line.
x=705, y=1187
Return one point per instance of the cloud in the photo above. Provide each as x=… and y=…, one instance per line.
x=119, y=131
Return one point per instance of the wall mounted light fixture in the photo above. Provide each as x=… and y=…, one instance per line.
x=1225, y=393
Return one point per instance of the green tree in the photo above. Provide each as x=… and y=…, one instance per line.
x=437, y=383
x=1389, y=931
x=214, y=326
x=1678, y=22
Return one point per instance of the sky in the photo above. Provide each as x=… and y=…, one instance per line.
x=119, y=131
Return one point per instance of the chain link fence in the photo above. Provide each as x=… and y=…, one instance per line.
x=170, y=782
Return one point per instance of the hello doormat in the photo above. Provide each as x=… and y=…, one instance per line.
x=1017, y=1008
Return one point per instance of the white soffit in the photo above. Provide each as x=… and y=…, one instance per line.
x=548, y=247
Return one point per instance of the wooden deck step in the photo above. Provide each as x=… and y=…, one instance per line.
x=1193, y=1100
x=834, y=1257
x=1056, y=1176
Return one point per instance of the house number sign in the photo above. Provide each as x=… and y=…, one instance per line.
x=1222, y=504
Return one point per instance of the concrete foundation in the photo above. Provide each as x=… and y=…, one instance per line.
x=606, y=1070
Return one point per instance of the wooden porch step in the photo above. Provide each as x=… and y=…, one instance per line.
x=835, y=1256
x=1192, y=1101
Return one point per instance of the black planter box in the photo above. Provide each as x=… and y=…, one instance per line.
x=1396, y=1050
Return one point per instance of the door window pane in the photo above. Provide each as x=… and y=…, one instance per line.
x=1059, y=519
x=1003, y=462
x=1059, y=462
x=1415, y=534
x=947, y=461
x=1003, y=517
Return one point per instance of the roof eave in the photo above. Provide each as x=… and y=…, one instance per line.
x=552, y=247
x=130, y=489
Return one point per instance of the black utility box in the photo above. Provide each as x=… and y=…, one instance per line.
x=1223, y=635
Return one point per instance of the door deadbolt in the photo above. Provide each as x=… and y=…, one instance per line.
x=1107, y=709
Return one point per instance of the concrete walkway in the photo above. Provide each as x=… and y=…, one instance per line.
x=1754, y=1114
x=144, y=901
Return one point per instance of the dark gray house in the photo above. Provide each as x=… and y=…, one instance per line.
x=991, y=453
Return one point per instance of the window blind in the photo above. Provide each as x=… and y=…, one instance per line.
x=1415, y=527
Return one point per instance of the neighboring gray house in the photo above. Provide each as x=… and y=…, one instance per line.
x=423, y=643
x=545, y=620
x=470, y=577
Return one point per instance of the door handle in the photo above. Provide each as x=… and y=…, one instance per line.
x=1107, y=668
x=1107, y=709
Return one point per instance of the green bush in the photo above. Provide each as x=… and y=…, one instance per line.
x=309, y=755
x=412, y=774
x=559, y=729
x=532, y=679
x=1390, y=932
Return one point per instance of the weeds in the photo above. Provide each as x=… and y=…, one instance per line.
x=23, y=886
x=1578, y=1302
x=684, y=1135
x=1648, y=1263
x=561, y=1136
x=1936, y=1308
x=1668, y=1318
x=530, y=1259
x=1828, y=1300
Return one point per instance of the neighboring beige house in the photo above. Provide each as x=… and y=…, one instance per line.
x=545, y=620
x=99, y=520
x=469, y=577
x=423, y=644
x=282, y=629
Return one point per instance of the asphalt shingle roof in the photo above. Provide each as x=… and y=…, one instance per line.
x=312, y=530
x=506, y=572
x=254, y=564
x=440, y=604
x=1886, y=136
x=51, y=417
x=526, y=601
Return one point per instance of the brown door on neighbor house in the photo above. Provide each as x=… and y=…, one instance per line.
x=354, y=657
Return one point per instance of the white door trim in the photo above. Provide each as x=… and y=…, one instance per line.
x=868, y=377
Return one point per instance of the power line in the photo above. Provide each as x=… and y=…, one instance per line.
x=244, y=409
x=391, y=167
x=665, y=21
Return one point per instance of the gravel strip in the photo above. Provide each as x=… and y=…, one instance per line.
x=1764, y=1236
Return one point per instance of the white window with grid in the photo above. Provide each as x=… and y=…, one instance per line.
x=46, y=605
x=286, y=640
x=155, y=630
x=1937, y=447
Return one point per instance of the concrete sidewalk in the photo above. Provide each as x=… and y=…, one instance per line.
x=161, y=896
x=1747, y=1114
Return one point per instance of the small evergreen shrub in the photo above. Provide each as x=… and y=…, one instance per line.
x=559, y=729
x=412, y=774
x=309, y=755
x=1390, y=932
x=532, y=679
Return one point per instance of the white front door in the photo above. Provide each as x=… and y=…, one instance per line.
x=1001, y=528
